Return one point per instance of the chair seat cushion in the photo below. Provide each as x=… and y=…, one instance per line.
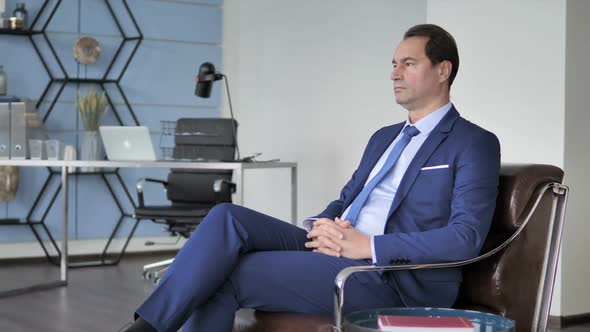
x=172, y=211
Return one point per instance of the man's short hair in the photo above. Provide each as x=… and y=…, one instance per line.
x=441, y=46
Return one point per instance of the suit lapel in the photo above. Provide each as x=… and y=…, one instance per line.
x=436, y=137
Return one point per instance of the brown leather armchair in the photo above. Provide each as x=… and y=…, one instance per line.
x=514, y=275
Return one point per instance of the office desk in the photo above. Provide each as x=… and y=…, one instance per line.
x=238, y=169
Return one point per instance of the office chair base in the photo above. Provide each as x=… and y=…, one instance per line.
x=155, y=271
x=157, y=265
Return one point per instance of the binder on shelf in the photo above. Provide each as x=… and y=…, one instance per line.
x=18, y=132
x=4, y=130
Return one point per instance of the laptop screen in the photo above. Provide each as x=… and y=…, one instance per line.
x=127, y=143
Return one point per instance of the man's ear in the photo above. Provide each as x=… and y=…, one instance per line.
x=444, y=70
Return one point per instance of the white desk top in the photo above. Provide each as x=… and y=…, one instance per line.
x=146, y=164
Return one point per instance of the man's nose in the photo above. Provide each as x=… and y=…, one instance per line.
x=395, y=74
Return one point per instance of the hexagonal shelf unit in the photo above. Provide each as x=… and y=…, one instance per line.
x=37, y=30
x=103, y=259
x=108, y=77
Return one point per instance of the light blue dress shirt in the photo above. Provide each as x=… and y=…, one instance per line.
x=372, y=218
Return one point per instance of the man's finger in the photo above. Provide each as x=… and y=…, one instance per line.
x=318, y=232
x=327, y=251
x=343, y=223
x=329, y=230
x=323, y=242
x=312, y=244
x=332, y=230
x=327, y=242
x=323, y=221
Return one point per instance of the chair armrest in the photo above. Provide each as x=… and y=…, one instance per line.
x=340, y=280
x=348, y=271
x=140, y=184
x=219, y=183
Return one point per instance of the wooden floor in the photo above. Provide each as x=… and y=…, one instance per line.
x=96, y=299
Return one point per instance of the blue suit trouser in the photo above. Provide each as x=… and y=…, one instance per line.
x=240, y=258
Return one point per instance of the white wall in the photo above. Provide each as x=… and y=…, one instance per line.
x=512, y=75
x=310, y=83
x=575, y=291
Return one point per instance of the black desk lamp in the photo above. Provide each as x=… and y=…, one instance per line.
x=205, y=79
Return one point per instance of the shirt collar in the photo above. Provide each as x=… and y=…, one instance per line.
x=427, y=123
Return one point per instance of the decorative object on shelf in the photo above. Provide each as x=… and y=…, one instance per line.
x=16, y=23
x=91, y=149
x=54, y=149
x=8, y=183
x=86, y=50
x=3, y=82
x=91, y=108
x=20, y=13
x=70, y=154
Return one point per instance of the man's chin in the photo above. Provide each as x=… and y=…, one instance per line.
x=401, y=101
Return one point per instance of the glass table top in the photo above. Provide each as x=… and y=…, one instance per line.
x=366, y=320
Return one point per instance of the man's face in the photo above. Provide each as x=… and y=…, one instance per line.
x=416, y=82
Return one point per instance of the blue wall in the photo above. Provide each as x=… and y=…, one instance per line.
x=159, y=84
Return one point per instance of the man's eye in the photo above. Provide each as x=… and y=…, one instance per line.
x=409, y=64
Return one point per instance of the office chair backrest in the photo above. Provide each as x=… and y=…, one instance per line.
x=205, y=138
x=510, y=282
x=201, y=139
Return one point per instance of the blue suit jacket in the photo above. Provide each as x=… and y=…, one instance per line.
x=437, y=215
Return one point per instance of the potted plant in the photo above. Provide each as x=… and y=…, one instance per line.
x=91, y=108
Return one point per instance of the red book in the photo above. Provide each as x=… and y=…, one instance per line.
x=424, y=324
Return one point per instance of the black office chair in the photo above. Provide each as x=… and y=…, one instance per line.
x=192, y=193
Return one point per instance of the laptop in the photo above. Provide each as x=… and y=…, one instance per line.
x=127, y=143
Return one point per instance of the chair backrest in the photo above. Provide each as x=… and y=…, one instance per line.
x=514, y=282
x=206, y=139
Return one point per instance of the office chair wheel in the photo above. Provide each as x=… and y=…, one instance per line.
x=147, y=275
x=157, y=280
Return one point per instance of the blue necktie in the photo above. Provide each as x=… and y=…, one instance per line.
x=398, y=148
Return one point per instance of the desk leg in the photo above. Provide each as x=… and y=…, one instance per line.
x=294, y=195
x=239, y=181
x=64, y=225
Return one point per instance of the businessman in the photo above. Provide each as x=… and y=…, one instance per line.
x=424, y=192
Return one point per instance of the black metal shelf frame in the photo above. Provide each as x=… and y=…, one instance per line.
x=104, y=256
x=63, y=80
